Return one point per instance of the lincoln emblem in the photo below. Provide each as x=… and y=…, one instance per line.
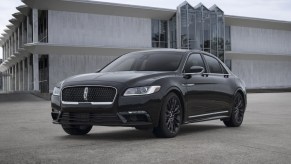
x=86, y=94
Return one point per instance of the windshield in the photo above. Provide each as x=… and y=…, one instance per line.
x=145, y=61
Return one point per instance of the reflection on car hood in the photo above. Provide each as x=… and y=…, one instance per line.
x=119, y=77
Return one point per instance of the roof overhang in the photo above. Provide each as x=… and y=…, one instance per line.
x=257, y=23
x=11, y=27
x=19, y=16
x=104, y=8
x=23, y=9
x=254, y=56
x=47, y=48
x=8, y=31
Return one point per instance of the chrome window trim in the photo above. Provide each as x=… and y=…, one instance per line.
x=205, y=63
x=207, y=114
x=92, y=103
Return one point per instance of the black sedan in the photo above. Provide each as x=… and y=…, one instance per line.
x=156, y=89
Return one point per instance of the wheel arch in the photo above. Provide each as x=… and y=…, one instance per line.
x=180, y=95
x=243, y=93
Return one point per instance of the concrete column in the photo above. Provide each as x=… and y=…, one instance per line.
x=18, y=40
x=19, y=77
x=35, y=73
x=23, y=75
x=3, y=51
x=35, y=25
x=8, y=49
x=28, y=73
x=12, y=78
x=6, y=77
x=22, y=36
x=15, y=78
x=8, y=80
x=15, y=41
x=178, y=26
x=4, y=82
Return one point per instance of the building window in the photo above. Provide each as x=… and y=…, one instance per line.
x=43, y=26
x=159, y=34
x=173, y=32
x=24, y=38
x=20, y=41
x=227, y=38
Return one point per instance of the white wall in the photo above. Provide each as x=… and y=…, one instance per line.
x=64, y=66
x=92, y=29
x=257, y=40
x=258, y=73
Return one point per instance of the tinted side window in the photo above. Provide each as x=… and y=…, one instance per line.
x=194, y=60
x=214, y=65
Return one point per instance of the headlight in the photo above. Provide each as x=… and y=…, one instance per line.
x=142, y=90
x=56, y=91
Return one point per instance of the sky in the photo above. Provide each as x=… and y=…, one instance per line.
x=268, y=9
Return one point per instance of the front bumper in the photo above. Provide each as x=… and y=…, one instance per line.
x=125, y=111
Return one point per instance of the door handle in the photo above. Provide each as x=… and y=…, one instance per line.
x=205, y=75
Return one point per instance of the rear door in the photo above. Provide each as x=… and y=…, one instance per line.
x=220, y=93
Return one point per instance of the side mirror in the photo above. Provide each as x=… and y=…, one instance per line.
x=196, y=70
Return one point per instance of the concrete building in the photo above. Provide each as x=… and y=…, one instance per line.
x=1, y=78
x=48, y=41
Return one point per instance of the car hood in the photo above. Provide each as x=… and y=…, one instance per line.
x=127, y=77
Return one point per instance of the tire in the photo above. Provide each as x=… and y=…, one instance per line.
x=77, y=129
x=237, y=112
x=170, y=117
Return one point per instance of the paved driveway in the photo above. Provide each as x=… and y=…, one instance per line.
x=28, y=136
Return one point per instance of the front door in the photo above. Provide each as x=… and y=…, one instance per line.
x=198, y=96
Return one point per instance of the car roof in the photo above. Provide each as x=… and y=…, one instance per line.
x=176, y=50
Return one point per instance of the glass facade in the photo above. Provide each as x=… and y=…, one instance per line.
x=159, y=34
x=173, y=32
x=202, y=29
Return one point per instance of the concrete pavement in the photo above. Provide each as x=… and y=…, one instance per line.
x=28, y=136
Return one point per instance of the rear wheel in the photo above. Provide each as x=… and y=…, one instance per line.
x=77, y=129
x=170, y=117
x=237, y=113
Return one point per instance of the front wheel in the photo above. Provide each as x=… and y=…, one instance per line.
x=77, y=129
x=237, y=113
x=170, y=117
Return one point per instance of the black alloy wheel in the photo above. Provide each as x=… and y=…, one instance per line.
x=170, y=117
x=237, y=114
x=77, y=129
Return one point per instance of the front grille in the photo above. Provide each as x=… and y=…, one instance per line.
x=95, y=94
x=91, y=118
